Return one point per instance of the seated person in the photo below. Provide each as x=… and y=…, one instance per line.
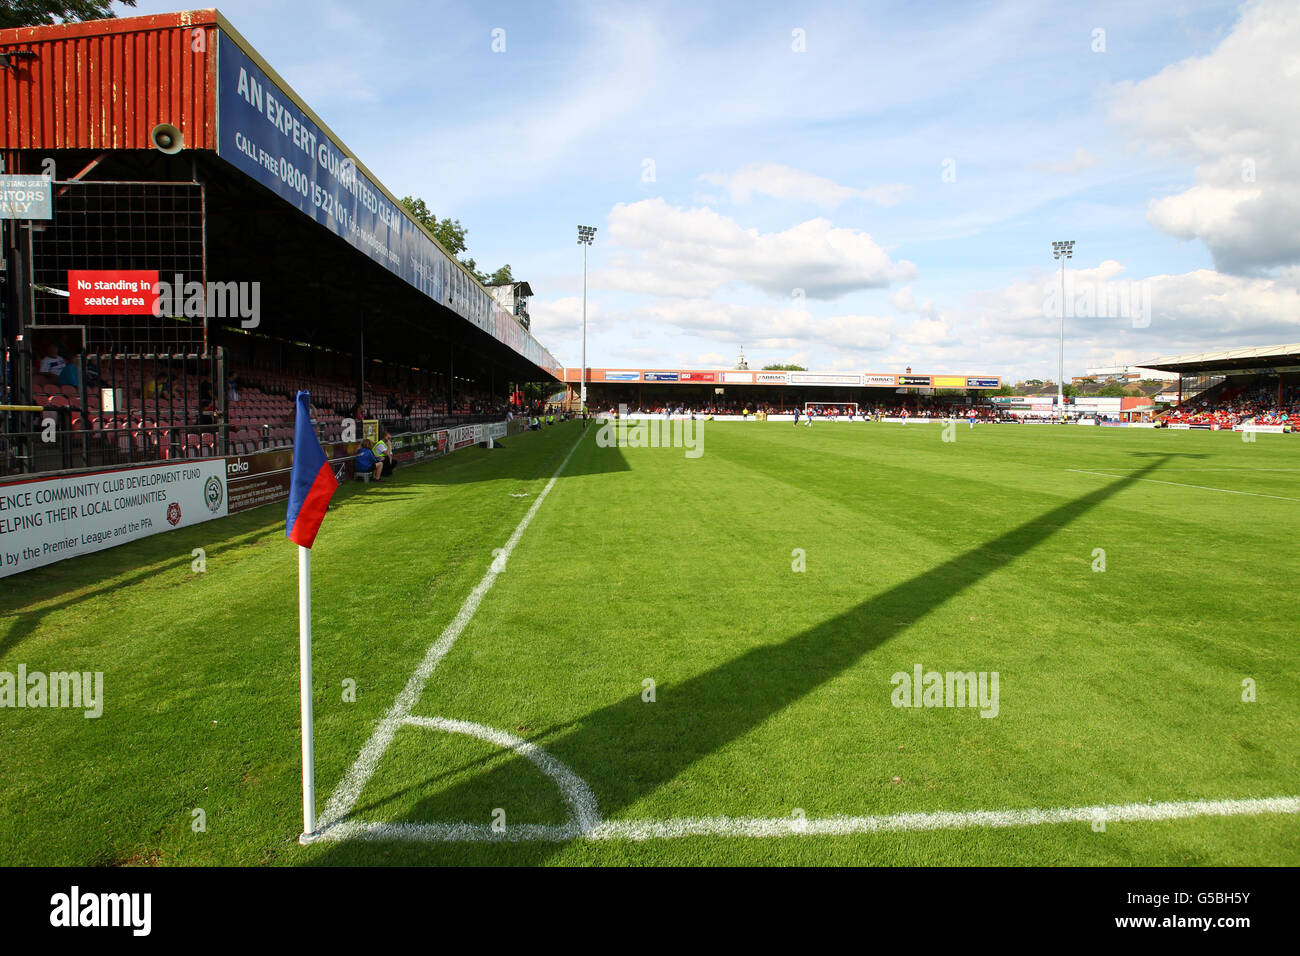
x=68, y=375
x=367, y=463
x=53, y=363
x=383, y=452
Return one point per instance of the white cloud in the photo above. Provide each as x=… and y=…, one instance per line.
x=904, y=301
x=1233, y=112
x=1016, y=328
x=695, y=252
x=560, y=320
x=784, y=182
x=766, y=327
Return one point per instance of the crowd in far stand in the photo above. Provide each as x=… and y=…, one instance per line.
x=863, y=412
x=1261, y=408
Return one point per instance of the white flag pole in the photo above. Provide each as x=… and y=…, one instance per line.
x=304, y=684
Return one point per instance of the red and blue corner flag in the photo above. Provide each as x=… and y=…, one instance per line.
x=312, y=483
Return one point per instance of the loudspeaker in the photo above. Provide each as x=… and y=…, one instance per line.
x=167, y=139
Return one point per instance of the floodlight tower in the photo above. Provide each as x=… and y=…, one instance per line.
x=1062, y=250
x=586, y=235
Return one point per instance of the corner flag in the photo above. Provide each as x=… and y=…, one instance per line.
x=311, y=485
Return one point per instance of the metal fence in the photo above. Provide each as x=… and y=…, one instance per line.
x=119, y=409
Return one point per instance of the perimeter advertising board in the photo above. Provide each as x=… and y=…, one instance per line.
x=44, y=520
x=263, y=477
x=824, y=378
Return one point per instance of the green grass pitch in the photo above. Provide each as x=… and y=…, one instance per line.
x=772, y=686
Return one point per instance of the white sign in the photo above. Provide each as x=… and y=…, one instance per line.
x=739, y=378
x=878, y=380
x=26, y=197
x=48, y=519
x=771, y=378
x=823, y=378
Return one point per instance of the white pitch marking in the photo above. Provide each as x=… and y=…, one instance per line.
x=1232, y=470
x=677, y=828
x=581, y=801
x=1180, y=484
x=349, y=789
x=942, y=820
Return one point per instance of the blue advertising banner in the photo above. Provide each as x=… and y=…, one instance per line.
x=981, y=383
x=264, y=134
x=661, y=376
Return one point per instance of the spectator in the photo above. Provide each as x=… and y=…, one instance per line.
x=383, y=452
x=367, y=463
x=68, y=374
x=53, y=363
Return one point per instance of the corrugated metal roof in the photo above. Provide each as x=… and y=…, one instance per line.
x=105, y=84
x=1233, y=358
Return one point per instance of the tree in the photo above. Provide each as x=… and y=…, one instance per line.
x=1034, y=382
x=784, y=368
x=38, y=13
x=1004, y=389
x=501, y=277
x=1112, y=391
x=1069, y=391
x=449, y=232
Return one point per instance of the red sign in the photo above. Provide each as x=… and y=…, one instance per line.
x=111, y=291
x=699, y=377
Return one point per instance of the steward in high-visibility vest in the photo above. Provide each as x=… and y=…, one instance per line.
x=384, y=452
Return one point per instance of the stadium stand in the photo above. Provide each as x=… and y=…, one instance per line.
x=405, y=339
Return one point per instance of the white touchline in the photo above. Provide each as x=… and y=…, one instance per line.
x=349, y=789
x=585, y=823
x=1181, y=484
x=940, y=820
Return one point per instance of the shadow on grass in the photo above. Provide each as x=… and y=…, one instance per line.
x=653, y=745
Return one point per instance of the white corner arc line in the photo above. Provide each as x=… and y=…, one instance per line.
x=349, y=789
x=1181, y=484
x=582, y=802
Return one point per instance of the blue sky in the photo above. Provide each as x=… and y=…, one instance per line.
x=849, y=186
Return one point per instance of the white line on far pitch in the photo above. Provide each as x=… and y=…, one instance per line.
x=349, y=789
x=1181, y=484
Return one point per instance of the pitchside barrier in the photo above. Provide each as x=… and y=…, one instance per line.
x=44, y=520
x=263, y=477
